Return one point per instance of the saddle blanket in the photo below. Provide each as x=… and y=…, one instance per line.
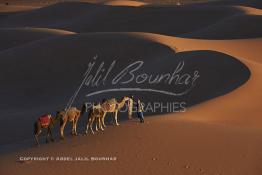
x=44, y=119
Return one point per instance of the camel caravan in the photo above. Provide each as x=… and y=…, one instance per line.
x=96, y=114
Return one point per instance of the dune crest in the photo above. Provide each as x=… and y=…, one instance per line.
x=125, y=3
x=15, y=8
x=13, y=37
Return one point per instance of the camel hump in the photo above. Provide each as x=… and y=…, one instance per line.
x=111, y=101
x=72, y=108
x=72, y=111
x=108, y=104
x=96, y=106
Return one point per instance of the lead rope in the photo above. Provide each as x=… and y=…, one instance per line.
x=73, y=97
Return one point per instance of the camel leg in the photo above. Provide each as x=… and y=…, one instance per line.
x=100, y=125
x=76, y=126
x=62, y=127
x=103, y=120
x=97, y=123
x=50, y=132
x=116, y=122
x=37, y=131
x=36, y=139
x=73, y=127
x=87, y=126
x=47, y=135
x=88, y=123
x=91, y=125
x=130, y=107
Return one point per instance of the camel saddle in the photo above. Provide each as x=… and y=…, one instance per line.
x=44, y=119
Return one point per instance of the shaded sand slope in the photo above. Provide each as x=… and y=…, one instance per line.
x=246, y=25
x=235, y=27
x=47, y=72
x=243, y=106
x=238, y=47
x=12, y=37
x=249, y=3
x=163, y=145
x=85, y=17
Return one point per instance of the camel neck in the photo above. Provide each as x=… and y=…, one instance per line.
x=121, y=104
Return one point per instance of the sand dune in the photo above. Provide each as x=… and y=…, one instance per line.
x=248, y=3
x=42, y=3
x=236, y=106
x=85, y=17
x=125, y=3
x=240, y=108
x=12, y=37
x=210, y=22
x=186, y=148
x=44, y=53
x=229, y=28
x=52, y=84
x=15, y=8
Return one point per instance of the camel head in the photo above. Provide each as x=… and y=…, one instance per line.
x=122, y=102
x=125, y=98
x=96, y=105
x=60, y=114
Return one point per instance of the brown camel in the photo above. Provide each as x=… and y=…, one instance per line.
x=95, y=113
x=44, y=122
x=98, y=112
x=112, y=105
x=72, y=115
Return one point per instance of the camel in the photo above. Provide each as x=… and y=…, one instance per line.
x=72, y=115
x=44, y=122
x=112, y=105
x=98, y=112
x=95, y=113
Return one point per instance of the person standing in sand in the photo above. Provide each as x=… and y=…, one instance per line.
x=140, y=109
x=130, y=106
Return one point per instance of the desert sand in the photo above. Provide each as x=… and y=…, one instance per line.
x=46, y=46
x=125, y=3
